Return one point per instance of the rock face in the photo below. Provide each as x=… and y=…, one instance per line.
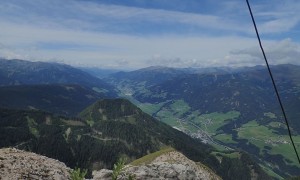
x=171, y=165
x=17, y=164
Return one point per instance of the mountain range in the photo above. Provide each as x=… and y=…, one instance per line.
x=20, y=72
x=225, y=118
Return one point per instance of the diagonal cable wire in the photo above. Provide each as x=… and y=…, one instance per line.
x=273, y=82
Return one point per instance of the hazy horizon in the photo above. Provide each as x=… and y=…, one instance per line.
x=151, y=66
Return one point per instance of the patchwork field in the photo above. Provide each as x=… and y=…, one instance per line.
x=269, y=142
x=208, y=127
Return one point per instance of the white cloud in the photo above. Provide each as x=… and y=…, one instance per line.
x=112, y=48
x=282, y=52
x=278, y=16
x=85, y=15
x=282, y=24
x=161, y=16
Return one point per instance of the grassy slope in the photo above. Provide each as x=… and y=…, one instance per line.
x=150, y=157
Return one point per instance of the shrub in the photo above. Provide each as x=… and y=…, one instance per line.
x=77, y=174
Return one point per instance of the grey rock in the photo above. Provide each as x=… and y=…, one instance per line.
x=103, y=174
x=18, y=164
x=172, y=165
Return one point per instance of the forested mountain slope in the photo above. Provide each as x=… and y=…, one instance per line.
x=107, y=130
x=64, y=99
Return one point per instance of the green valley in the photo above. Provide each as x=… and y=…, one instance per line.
x=269, y=142
x=232, y=111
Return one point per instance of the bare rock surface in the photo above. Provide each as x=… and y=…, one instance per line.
x=171, y=165
x=18, y=164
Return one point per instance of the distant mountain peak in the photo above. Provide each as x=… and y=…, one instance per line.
x=21, y=72
x=156, y=67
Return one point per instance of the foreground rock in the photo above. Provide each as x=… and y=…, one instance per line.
x=171, y=165
x=17, y=164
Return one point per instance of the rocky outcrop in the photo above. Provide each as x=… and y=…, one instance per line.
x=171, y=165
x=17, y=164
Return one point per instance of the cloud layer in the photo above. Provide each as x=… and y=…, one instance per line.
x=138, y=34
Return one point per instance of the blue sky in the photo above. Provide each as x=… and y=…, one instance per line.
x=138, y=33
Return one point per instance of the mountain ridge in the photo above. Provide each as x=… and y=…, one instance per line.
x=22, y=72
x=64, y=99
